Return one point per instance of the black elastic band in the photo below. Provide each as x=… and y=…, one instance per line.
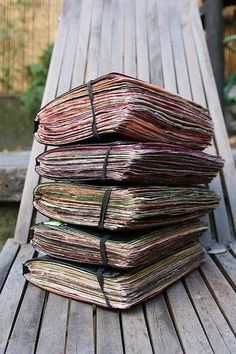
x=94, y=125
x=36, y=162
x=25, y=268
x=36, y=125
x=101, y=283
x=104, y=169
x=105, y=201
x=103, y=251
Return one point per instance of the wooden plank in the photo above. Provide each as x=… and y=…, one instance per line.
x=94, y=41
x=106, y=39
x=10, y=297
x=220, y=214
x=53, y=329
x=117, y=50
x=223, y=293
x=166, y=48
x=25, y=331
x=26, y=208
x=80, y=337
x=222, y=141
x=161, y=327
x=188, y=326
x=216, y=328
x=135, y=333
x=7, y=256
x=130, y=39
x=142, y=41
x=108, y=332
x=181, y=70
x=153, y=37
x=82, y=47
x=227, y=263
x=70, y=47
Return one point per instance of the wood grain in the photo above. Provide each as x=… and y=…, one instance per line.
x=7, y=256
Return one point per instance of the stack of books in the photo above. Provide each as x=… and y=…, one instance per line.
x=127, y=191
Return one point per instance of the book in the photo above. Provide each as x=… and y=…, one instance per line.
x=108, y=287
x=117, y=106
x=126, y=163
x=117, y=208
x=116, y=250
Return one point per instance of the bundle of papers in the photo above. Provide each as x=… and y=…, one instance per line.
x=119, y=250
x=122, y=208
x=143, y=163
x=116, y=106
x=108, y=287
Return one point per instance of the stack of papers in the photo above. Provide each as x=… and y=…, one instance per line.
x=123, y=107
x=122, y=208
x=109, y=287
x=139, y=163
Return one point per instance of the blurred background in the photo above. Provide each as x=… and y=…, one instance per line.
x=27, y=34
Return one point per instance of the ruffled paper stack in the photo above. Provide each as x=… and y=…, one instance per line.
x=123, y=213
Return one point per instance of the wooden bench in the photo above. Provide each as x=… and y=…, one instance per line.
x=160, y=41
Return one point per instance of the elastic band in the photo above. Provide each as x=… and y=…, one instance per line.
x=101, y=283
x=36, y=125
x=104, y=169
x=25, y=268
x=36, y=162
x=94, y=125
x=105, y=201
x=103, y=251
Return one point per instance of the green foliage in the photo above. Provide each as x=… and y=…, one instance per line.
x=12, y=38
x=37, y=75
x=230, y=82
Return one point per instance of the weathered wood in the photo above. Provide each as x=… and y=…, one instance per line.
x=7, y=256
x=221, y=136
x=83, y=39
x=94, y=41
x=117, y=49
x=142, y=41
x=130, y=39
x=80, y=339
x=227, y=263
x=52, y=334
x=11, y=295
x=166, y=49
x=188, y=326
x=108, y=332
x=106, y=39
x=161, y=327
x=135, y=333
x=220, y=214
x=25, y=331
x=153, y=36
x=179, y=58
x=216, y=328
x=70, y=49
x=223, y=293
x=214, y=36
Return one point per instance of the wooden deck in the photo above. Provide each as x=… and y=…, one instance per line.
x=161, y=42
